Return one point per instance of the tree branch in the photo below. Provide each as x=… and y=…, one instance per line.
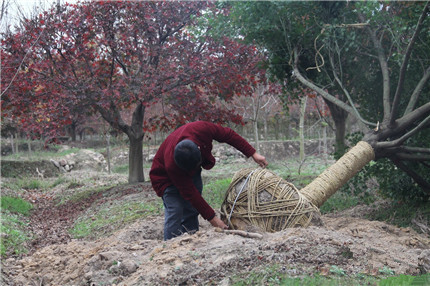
x=320, y=91
x=412, y=157
x=384, y=69
x=348, y=96
x=424, y=185
x=417, y=92
x=402, y=139
x=405, y=63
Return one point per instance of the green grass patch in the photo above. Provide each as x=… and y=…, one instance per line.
x=27, y=184
x=121, y=169
x=406, y=280
x=401, y=214
x=13, y=234
x=214, y=192
x=40, y=155
x=77, y=196
x=275, y=275
x=110, y=218
x=15, y=205
x=338, y=202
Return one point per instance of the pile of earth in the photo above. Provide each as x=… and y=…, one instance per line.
x=136, y=254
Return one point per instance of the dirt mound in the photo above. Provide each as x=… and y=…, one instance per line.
x=15, y=169
x=136, y=255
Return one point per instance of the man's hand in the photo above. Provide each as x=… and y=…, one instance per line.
x=260, y=160
x=217, y=222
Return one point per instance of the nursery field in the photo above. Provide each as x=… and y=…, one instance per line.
x=89, y=227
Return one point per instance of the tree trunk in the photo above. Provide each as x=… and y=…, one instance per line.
x=334, y=177
x=72, y=131
x=339, y=117
x=108, y=152
x=135, y=154
x=135, y=160
x=276, y=127
x=302, y=127
x=257, y=145
x=16, y=143
x=135, y=135
x=12, y=144
x=265, y=128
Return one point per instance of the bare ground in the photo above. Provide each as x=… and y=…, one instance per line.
x=136, y=254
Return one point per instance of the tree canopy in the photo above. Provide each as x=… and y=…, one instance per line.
x=106, y=57
x=367, y=59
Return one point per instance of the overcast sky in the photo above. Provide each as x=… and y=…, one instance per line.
x=15, y=8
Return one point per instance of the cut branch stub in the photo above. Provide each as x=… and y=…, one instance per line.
x=334, y=177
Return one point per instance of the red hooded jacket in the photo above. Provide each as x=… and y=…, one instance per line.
x=164, y=171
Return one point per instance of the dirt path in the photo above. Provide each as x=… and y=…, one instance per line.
x=136, y=255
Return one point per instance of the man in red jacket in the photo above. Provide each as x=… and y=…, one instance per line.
x=176, y=173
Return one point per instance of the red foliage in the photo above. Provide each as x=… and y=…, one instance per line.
x=110, y=56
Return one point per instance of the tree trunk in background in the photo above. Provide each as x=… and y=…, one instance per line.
x=12, y=144
x=135, y=161
x=108, y=151
x=135, y=155
x=276, y=127
x=266, y=137
x=334, y=177
x=16, y=143
x=72, y=131
x=257, y=145
x=339, y=117
x=302, y=127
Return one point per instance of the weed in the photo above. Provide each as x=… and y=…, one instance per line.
x=337, y=270
x=386, y=271
x=406, y=280
x=110, y=218
x=15, y=205
x=13, y=236
x=214, y=192
x=338, y=202
x=121, y=169
x=402, y=214
x=275, y=275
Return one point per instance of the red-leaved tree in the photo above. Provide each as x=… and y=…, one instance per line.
x=109, y=56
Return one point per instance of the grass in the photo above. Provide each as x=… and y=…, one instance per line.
x=13, y=234
x=27, y=184
x=15, y=205
x=80, y=195
x=338, y=202
x=277, y=275
x=41, y=155
x=120, y=169
x=12, y=228
x=109, y=218
x=214, y=192
x=403, y=215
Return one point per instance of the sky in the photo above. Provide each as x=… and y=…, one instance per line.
x=15, y=8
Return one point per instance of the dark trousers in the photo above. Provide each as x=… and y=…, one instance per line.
x=179, y=215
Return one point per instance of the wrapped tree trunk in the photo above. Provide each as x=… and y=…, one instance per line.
x=334, y=177
x=260, y=198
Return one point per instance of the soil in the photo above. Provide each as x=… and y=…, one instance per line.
x=137, y=255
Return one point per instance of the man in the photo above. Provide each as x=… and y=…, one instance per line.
x=176, y=174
